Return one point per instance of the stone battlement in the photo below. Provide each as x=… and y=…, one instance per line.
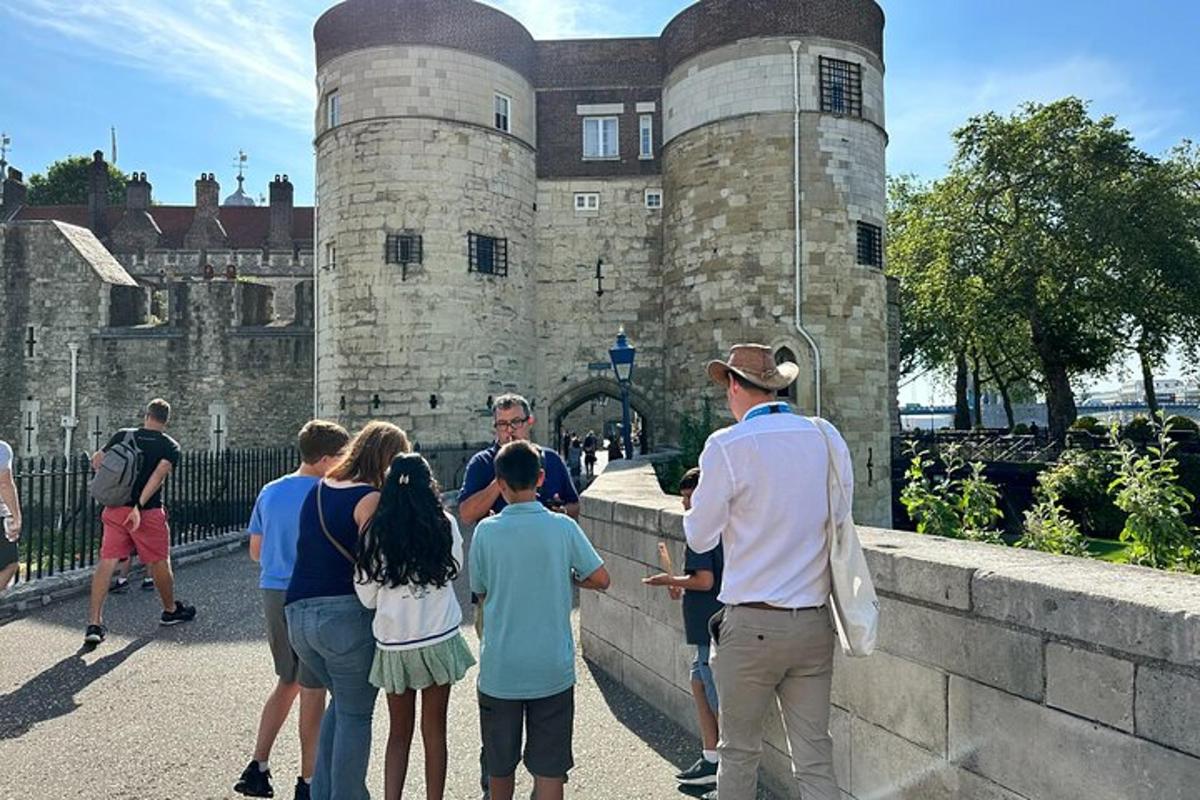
x=1001, y=674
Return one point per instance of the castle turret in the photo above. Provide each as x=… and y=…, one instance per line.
x=426, y=174
x=749, y=84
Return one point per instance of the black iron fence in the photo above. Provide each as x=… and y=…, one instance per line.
x=208, y=494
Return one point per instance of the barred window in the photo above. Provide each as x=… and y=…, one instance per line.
x=870, y=245
x=841, y=87
x=403, y=248
x=487, y=254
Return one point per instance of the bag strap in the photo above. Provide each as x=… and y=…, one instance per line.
x=324, y=529
x=833, y=469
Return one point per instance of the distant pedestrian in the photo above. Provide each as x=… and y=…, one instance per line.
x=700, y=586
x=327, y=625
x=763, y=495
x=274, y=531
x=590, y=445
x=10, y=518
x=138, y=522
x=408, y=557
x=575, y=458
x=524, y=564
x=614, y=449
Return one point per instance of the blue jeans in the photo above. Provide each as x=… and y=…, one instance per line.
x=332, y=636
x=703, y=673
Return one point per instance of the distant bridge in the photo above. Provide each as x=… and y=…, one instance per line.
x=1186, y=409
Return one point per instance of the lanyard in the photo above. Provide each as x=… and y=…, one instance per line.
x=774, y=408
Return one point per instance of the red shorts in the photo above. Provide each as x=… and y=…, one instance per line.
x=151, y=538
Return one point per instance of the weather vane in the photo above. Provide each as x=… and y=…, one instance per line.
x=242, y=158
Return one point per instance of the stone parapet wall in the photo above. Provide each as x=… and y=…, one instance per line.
x=1001, y=674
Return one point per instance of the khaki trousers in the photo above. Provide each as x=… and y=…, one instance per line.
x=781, y=657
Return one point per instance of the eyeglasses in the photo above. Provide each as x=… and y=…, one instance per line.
x=504, y=425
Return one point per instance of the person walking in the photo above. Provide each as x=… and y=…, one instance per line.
x=10, y=518
x=327, y=625
x=408, y=557
x=140, y=523
x=274, y=530
x=762, y=495
x=590, y=445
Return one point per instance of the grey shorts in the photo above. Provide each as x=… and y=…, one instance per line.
x=548, y=723
x=288, y=665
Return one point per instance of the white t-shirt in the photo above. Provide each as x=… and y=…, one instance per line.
x=6, y=459
x=410, y=617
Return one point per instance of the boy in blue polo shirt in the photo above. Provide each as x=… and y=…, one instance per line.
x=524, y=563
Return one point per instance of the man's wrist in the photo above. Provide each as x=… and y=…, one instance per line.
x=138, y=505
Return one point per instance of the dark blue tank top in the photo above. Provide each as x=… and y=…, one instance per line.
x=321, y=570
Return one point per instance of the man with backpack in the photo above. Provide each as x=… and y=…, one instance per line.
x=130, y=472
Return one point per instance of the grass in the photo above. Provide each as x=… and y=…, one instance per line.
x=1109, y=550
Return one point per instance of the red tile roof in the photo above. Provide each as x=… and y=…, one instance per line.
x=246, y=226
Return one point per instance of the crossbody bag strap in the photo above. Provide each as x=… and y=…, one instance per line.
x=325, y=529
x=833, y=469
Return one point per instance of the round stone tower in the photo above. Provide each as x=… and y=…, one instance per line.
x=426, y=183
x=735, y=262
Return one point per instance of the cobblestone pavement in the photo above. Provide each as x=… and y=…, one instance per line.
x=164, y=713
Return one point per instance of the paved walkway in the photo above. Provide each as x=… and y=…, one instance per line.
x=170, y=713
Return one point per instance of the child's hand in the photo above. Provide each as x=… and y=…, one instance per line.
x=674, y=592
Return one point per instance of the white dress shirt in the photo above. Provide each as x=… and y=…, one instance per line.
x=762, y=493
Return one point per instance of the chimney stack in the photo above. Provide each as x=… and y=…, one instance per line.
x=12, y=195
x=98, y=194
x=208, y=194
x=137, y=192
x=279, y=236
x=206, y=231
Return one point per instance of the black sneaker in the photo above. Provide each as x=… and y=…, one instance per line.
x=183, y=613
x=94, y=634
x=302, y=790
x=254, y=782
x=147, y=584
x=702, y=773
x=119, y=586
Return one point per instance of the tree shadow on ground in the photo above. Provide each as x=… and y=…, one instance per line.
x=51, y=694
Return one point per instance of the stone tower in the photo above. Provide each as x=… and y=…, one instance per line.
x=426, y=189
x=730, y=236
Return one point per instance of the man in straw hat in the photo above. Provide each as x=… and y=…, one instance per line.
x=762, y=494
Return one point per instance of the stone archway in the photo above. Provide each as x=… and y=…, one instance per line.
x=585, y=391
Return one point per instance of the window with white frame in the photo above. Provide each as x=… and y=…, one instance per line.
x=503, y=111
x=330, y=256
x=587, y=201
x=333, y=109
x=646, y=136
x=600, y=137
x=654, y=199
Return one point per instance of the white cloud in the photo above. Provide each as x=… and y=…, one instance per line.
x=253, y=56
x=924, y=110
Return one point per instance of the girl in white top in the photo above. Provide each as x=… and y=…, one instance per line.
x=409, y=554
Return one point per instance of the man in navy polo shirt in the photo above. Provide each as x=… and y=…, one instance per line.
x=512, y=419
x=480, y=494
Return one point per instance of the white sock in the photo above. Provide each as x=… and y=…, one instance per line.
x=712, y=756
x=263, y=766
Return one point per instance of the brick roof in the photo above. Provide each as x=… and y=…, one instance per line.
x=246, y=226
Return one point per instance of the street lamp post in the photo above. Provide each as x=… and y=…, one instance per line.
x=622, y=355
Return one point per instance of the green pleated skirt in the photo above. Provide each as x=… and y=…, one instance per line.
x=397, y=671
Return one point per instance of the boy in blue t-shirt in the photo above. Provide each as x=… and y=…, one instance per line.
x=699, y=586
x=274, y=528
x=524, y=563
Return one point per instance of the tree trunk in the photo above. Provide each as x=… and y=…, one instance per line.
x=1002, y=384
x=962, y=409
x=1060, y=400
x=1148, y=383
x=976, y=394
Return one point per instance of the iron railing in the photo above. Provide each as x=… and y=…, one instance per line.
x=207, y=494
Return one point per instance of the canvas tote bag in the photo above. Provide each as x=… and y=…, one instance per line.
x=853, y=601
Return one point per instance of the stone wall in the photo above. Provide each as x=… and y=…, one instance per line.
x=1000, y=675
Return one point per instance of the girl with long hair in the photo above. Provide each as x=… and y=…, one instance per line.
x=327, y=625
x=408, y=557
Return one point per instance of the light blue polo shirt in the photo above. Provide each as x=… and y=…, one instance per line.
x=277, y=518
x=522, y=561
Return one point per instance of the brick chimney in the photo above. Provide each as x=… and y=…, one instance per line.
x=137, y=192
x=98, y=194
x=282, y=194
x=206, y=231
x=12, y=194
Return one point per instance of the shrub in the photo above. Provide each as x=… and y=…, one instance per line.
x=1140, y=430
x=960, y=505
x=1181, y=424
x=1147, y=487
x=1020, y=429
x=692, y=436
x=1079, y=482
x=1089, y=424
x=1049, y=529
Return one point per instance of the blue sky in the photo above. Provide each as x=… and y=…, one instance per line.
x=187, y=84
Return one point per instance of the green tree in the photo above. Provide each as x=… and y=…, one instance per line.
x=1042, y=184
x=66, y=184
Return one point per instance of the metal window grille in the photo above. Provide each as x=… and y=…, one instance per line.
x=487, y=254
x=841, y=87
x=403, y=248
x=870, y=244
